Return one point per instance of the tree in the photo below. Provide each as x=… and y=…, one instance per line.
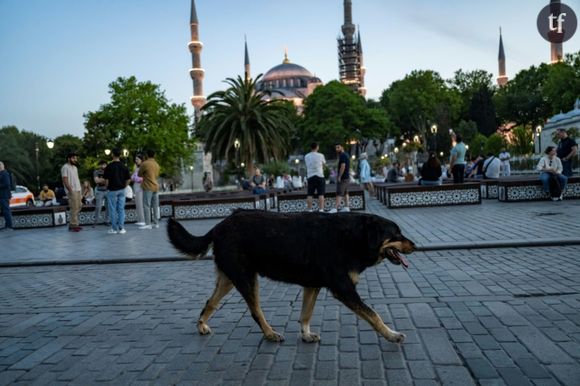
x=137, y=118
x=521, y=143
x=262, y=127
x=334, y=113
x=494, y=144
x=420, y=100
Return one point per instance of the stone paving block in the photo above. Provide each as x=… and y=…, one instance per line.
x=36, y=357
x=326, y=370
x=499, y=358
x=546, y=351
x=532, y=368
x=414, y=352
x=513, y=376
x=486, y=342
x=348, y=360
x=481, y=368
x=398, y=378
x=469, y=350
x=369, y=352
x=372, y=369
x=439, y=347
x=460, y=336
x=421, y=370
x=568, y=374
x=423, y=316
x=454, y=375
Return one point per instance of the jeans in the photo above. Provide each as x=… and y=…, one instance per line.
x=458, y=173
x=5, y=205
x=116, y=201
x=150, y=206
x=100, y=197
x=567, y=168
x=545, y=178
x=139, y=202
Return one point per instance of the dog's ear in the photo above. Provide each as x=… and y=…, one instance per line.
x=375, y=236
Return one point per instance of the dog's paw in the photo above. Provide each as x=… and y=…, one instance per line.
x=203, y=328
x=311, y=338
x=397, y=337
x=275, y=337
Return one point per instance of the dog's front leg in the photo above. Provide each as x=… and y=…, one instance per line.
x=308, y=301
x=350, y=298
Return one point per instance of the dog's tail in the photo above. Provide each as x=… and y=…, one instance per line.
x=187, y=243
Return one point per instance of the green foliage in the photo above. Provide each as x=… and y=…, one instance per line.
x=477, y=145
x=521, y=143
x=419, y=100
x=140, y=117
x=573, y=132
x=468, y=130
x=276, y=168
x=494, y=144
x=263, y=127
x=333, y=113
x=411, y=147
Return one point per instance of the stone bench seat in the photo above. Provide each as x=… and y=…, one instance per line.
x=515, y=189
x=295, y=201
x=410, y=195
x=214, y=207
x=37, y=217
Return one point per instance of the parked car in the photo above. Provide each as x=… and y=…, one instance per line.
x=22, y=197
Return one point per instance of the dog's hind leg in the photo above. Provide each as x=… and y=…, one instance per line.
x=222, y=287
x=349, y=297
x=251, y=293
x=308, y=301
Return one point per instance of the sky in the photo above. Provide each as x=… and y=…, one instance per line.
x=57, y=57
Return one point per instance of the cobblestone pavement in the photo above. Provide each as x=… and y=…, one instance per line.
x=493, y=316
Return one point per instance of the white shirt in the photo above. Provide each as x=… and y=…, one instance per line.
x=504, y=157
x=491, y=167
x=70, y=172
x=314, y=162
x=547, y=163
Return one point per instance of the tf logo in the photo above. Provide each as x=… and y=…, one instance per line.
x=557, y=22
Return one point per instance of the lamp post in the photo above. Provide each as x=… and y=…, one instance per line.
x=539, y=134
x=434, y=132
x=237, y=147
x=107, y=151
x=36, y=149
x=191, y=170
x=50, y=143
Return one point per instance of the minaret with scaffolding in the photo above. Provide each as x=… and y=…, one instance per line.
x=350, y=59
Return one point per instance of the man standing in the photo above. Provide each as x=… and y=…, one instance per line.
x=100, y=191
x=567, y=149
x=5, y=195
x=149, y=171
x=315, y=176
x=342, y=179
x=72, y=186
x=117, y=177
x=457, y=164
x=504, y=157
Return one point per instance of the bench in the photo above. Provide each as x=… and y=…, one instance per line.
x=295, y=201
x=41, y=217
x=406, y=195
x=514, y=189
x=214, y=207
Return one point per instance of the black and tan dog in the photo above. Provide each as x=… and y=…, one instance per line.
x=313, y=250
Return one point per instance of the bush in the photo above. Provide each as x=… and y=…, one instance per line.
x=494, y=144
x=276, y=168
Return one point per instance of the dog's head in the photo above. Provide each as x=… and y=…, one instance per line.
x=386, y=237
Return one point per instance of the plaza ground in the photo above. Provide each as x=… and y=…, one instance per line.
x=492, y=298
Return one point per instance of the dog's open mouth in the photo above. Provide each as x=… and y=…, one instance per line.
x=396, y=258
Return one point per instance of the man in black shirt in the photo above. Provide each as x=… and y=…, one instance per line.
x=117, y=176
x=342, y=179
x=567, y=149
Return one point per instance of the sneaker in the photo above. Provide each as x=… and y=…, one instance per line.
x=74, y=229
x=122, y=231
x=145, y=227
x=561, y=197
x=345, y=210
x=156, y=226
x=112, y=232
x=333, y=210
x=321, y=210
x=554, y=198
x=139, y=224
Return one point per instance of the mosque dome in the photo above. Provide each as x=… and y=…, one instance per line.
x=288, y=80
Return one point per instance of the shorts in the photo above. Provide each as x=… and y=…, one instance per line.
x=316, y=186
x=342, y=187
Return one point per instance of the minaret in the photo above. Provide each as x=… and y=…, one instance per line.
x=196, y=72
x=362, y=90
x=556, y=49
x=349, y=59
x=502, y=78
x=247, y=74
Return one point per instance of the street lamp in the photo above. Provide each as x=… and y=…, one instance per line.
x=107, y=151
x=50, y=143
x=191, y=169
x=237, y=147
x=539, y=134
x=36, y=149
x=434, y=132
x=125, y=153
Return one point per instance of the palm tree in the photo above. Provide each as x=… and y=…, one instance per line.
x=262, y=127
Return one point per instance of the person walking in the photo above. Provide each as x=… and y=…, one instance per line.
x=100, y=192
x=5, y=195
x=315, y=162
x=342, y=179
x=457, y=164
x=117, y=176
x=138, y=191
x=149, y=171
x=365, y=174
x=72, y=186
x=567, y=149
